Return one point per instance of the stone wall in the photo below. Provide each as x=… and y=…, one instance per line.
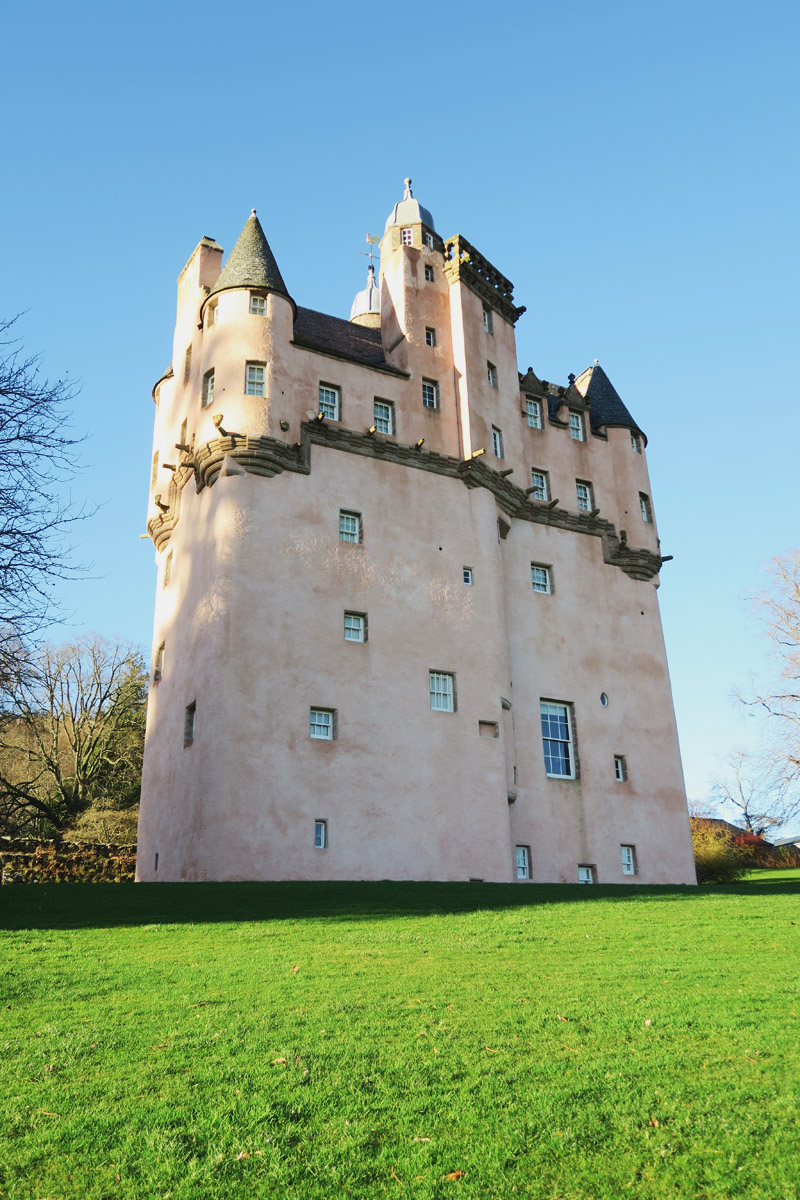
x=29, y=860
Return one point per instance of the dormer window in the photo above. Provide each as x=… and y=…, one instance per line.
x=408, y=237
x=258, y=305
x=576, y=427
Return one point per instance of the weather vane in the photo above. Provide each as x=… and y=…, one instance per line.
x=372, y=240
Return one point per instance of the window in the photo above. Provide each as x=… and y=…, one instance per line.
x=384, y=416
x=585, y=497
x=523, y=856
x=488, y=320
x=355, y=627
x=620, y=768
x=350, y=527
x=320, y=835
x=208, y=389
x=428, y=273
x=442, y=688
x=329, y=403
x=430, y=336
x=258, y=305
x=321, y=724
x=645, y=509
x=154, y=470
x=576, y=429
x=491, y=374
x=428, y=239
x=587, y=874
x=184, y=429
x=533, y=410
x=628, y=854
x=212, y=313
x=167, y=569
x=468, y=579
x=158, y=663
x=189, y=723
x=430, y=394
x=497, y=442
x=187, y=365
x=407, y=236
x=541, y=485
x=540, y=578
x=254, y=379
x=557, y=739
x=636, y=443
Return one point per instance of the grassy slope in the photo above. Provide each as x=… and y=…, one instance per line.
x=367, y=1040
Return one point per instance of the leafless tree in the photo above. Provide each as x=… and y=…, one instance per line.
x=36, y=462
x=71, y=733
x=757, y=791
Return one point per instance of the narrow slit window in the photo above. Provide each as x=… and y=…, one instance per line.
x=620, y=768
x=158, y=664
x=523, y=857
x=628, y=854
x=497, y=442
x=320, y=835
x=488, y=320
x=189, y=723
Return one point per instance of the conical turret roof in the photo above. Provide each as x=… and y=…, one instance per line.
x=606, y=407
x=251, y=264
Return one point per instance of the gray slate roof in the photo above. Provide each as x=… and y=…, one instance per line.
x=251, y=264
x=606, y=406
x=332, y=335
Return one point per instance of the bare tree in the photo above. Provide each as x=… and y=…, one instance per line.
x=757, y=790
x=71, y=733
x=36, y=461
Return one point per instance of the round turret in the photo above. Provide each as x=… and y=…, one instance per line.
x=409, y=211
x=366, y=308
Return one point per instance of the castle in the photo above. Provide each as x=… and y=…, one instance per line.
x=406, y=618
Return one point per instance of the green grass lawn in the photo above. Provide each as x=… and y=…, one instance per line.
x=401, y=1040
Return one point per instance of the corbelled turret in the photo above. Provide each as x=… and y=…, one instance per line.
x=251, y=264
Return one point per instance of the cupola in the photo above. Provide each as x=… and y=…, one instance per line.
x=366, y=308
x=408, y=212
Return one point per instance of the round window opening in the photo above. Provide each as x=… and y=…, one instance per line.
x=604, y=699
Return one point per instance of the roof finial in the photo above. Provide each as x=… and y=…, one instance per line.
x=252, y=212
x=597, y=362
x=408, y=193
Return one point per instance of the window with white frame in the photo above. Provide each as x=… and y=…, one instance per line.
x=189, y=723
x=488, y=320
x=491, y=374
x=628, y=854
x=468, y=576
x=620, y=768
x=585, y=496
x=645, y=509
x=430, y=393
x=523, y=857
x=384, y=416
x=636, y=443
x=559, y=759
x=254, y=379
x=430, y=336
x=576, y=427
x=587, y=874
x=158, y=663
x=428, y=239
x=329, y=401
x=540, y=579
x=428, y=273
x=208, y=389
x=497, y=442
x=350, y=527
x=540, y=484
x=258, y=305
x=533, y=411
x=355, y=627
x=320, y=835
x=443, y=692
x=408, y=237
x=321, y=724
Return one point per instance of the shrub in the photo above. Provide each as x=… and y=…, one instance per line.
x=716, y=858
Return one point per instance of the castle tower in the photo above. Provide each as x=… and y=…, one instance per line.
x=406, y=617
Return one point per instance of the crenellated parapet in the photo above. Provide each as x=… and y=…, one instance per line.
x=462, y=262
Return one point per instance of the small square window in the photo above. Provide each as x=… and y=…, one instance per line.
x=488, y=320
x=258, y=305
x=497, y=442
x=620, y=768
x=628, y=854
x=443, y=692
x=559, y=760
x=636, y=443
x=645, y=509
x=350, y=527
x=491, y=374
x=541, y=484
x=587, y=874
x=533, y=410
x=189, y=722
x=430, y=393
x=576, y=427
x=254, y=379
x=523, y=857
x=408, y=237
x=321, y=724
x=468, y=578
x=384, y=417
x=158, y=664
x=585, y=495
x=430, y=336
x=355, y=627
x=208, y=389
x=540, y=579
x=167, y=569
x=329, y=401
x=320, y=835
x=428, y=239
x=428, y=273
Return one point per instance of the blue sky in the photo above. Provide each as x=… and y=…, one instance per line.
x=632, y=167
